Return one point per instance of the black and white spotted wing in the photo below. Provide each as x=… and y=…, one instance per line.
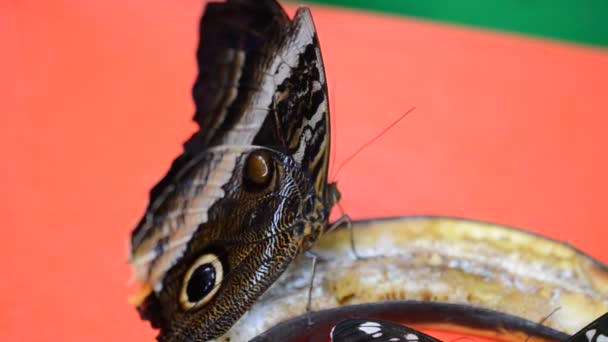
x=363, y=330
x=596, y=331
x=366, y=330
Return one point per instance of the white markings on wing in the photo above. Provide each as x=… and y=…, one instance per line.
x=331, y=333
x=304, y=139
x=371, y=324
x=411, y=337
x=590, y=333
x=306, y=33
x=601, y=338
x=370, y=328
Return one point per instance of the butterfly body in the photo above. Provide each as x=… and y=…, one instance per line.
x=250, y=190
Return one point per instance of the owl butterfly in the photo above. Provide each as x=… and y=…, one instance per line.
x=250, y=190
x=373, y=330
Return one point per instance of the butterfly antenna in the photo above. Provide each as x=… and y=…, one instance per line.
x=371, y=141
x=544, y=319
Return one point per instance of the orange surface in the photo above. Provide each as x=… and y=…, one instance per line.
x=95, y=100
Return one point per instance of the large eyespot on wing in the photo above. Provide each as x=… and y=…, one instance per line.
x=247, y=235
x=258, y=170
x=201, y=282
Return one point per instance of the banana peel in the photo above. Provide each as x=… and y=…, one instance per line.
x=439, y=260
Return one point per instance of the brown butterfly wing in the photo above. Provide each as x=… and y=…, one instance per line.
x=260, y=95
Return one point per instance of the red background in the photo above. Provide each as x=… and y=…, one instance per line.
x=95, y=102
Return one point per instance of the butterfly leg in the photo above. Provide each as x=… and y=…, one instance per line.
x=314, y=258
x=345, y=219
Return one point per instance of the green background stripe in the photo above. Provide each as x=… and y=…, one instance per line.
x=581, y=21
